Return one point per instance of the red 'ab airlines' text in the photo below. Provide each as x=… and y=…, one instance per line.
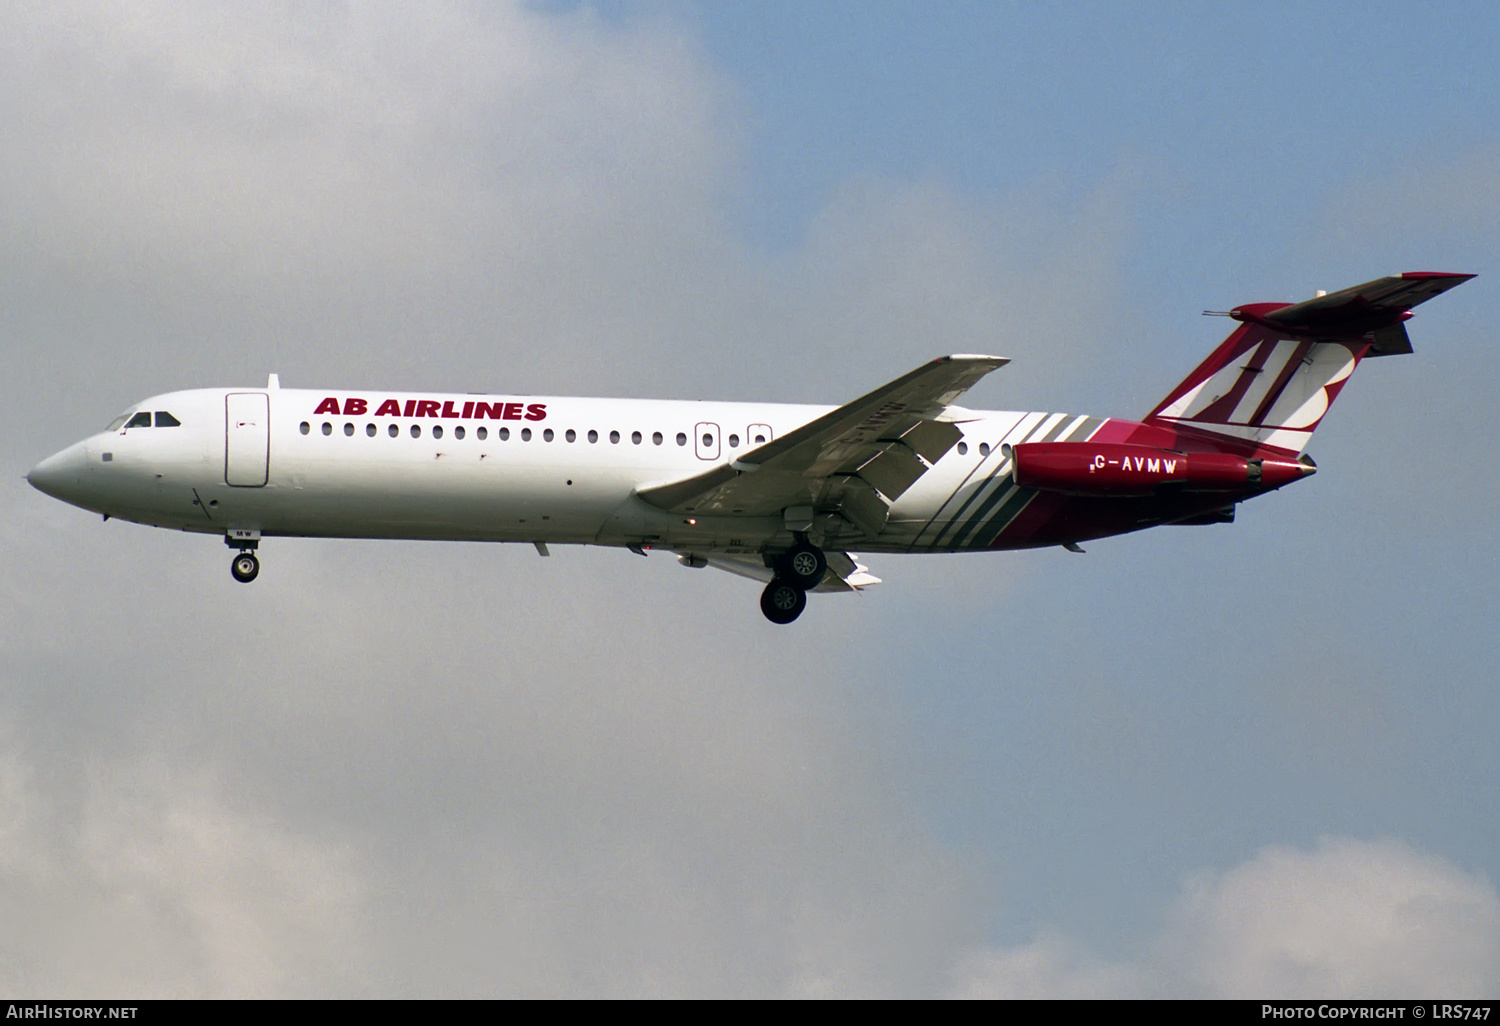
x=471, y=409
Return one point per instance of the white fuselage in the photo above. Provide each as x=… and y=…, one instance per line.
x=520, y=469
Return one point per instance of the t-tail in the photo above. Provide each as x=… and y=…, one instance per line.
x=1271, y=381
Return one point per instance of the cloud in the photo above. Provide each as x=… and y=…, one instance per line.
x=133, y=880
x=495, y=779
x=1347, y=919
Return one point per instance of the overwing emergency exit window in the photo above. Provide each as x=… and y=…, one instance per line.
x=165, y=419
x=142, y=419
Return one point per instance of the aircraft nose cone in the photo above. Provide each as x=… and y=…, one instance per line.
x=59, y=475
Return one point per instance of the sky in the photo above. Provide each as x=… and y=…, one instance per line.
x=1247, y=760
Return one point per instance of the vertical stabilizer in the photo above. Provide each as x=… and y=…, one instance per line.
x=1273, y=379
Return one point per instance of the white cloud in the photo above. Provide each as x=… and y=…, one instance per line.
x=1348, y=919
x=134, y=880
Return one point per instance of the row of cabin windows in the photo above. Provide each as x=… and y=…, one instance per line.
x=143, y=419
x=548, y=434
x=570, y=435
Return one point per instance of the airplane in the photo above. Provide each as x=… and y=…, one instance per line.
x=778, y=493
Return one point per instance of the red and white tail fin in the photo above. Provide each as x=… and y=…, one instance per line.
x=1272, y=380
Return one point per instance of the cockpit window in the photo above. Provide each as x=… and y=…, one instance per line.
x=142, y=419
x=118, y=422
x=165, y=419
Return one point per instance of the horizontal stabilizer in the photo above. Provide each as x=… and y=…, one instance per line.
x=1375, y=305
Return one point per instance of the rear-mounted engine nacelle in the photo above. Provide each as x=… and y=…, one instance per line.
x=1117, y=469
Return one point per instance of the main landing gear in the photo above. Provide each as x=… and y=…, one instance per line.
x=798, y=570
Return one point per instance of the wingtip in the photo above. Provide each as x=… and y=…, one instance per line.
x=1420, y=275
x=998, y=361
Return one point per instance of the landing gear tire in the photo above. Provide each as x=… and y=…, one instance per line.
x=803, y=565
x=782, y=601
x=245, y=567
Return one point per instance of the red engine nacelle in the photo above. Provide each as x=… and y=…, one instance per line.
x=1117, y=469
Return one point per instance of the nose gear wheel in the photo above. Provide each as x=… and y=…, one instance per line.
x=245, y=567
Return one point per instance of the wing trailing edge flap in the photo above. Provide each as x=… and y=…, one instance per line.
x=845, y=571
x=854, y=460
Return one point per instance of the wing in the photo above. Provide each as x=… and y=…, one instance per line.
x=856, y=460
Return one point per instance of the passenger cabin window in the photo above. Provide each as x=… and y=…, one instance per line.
x=142, y=419
x=481, y=432
x=305, y=428
x=656, y=438
x=165, y=419
x=327, y=428
x=394, y=430
x=681, y=438
x=349, y=430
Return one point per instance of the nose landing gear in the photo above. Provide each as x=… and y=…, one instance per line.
x=245, y=567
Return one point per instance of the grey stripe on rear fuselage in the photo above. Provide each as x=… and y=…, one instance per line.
x=960, y=530
x=1019, y=431
x=1005, y=503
